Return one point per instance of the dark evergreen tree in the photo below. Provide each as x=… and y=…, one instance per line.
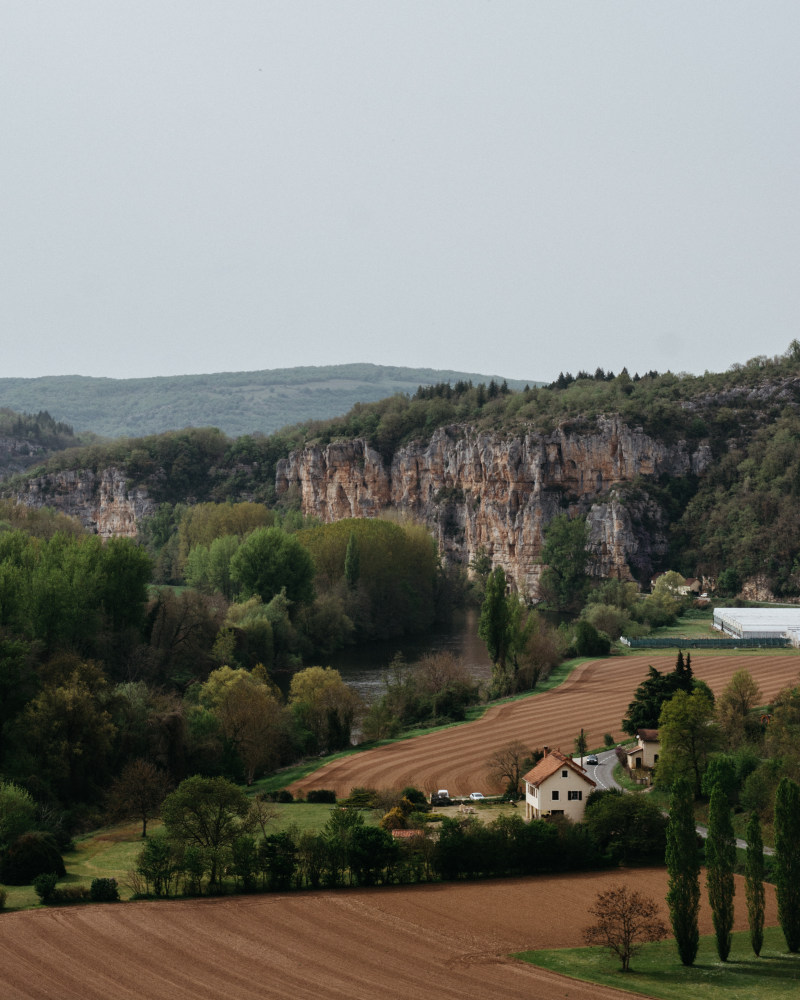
x=683, y=673
x=683, y=866
x=787, y=860
x=754, y=883
x=720, y=862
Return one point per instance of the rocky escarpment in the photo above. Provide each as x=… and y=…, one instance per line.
x=17, y=454
x=478, y=490
x=104, y=501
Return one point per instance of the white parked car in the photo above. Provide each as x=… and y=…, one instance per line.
x=477, y=796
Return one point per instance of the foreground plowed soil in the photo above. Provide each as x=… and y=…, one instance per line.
x=595, y=696
x=444, y=941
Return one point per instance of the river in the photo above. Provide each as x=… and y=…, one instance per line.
x=364, y=667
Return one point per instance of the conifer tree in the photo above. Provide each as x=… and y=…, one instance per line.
x=720, y=862
x=683, y=866
x=787, y=860
x=754, y=883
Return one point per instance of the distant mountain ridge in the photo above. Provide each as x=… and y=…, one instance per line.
x=236, y=402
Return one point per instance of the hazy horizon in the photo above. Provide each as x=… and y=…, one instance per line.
x=500, y=187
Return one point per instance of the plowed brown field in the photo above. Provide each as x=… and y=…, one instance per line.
x=595, y=696
x=448, y=941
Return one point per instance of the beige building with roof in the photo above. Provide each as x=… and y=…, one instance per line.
x=644, y=756
x=557, y=786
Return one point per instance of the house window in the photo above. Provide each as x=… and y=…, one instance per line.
x=575, y=796
x=555, y=794
x=563, y=774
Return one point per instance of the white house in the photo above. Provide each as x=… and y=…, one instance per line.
x=557, y=786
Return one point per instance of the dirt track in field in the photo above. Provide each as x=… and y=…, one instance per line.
x=444, y=941
x=595, y=696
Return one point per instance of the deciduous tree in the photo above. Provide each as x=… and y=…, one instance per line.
x=208, y=812
x=510, y=763
x=625, y=921
x=565, y=555
x=689, y=735
x=139, y=791
x=325, y=706
x=269, y=561
x=735, y=705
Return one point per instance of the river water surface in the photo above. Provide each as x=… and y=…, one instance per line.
x=364, y=668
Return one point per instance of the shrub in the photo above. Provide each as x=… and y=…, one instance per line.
x=104, y=890
x=3, y=896
x=44, y=886
x=394, y=820
x=71, y=894
x=416, y=797
x=361, y=798
x=321, y=795
x=32, y=854
x=284, y=795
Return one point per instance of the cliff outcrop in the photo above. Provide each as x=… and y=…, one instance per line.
x=478, y=490
x=104, y=501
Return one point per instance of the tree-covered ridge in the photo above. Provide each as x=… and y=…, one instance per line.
x=236, y=402
x=736, y=518
x=38, y=428
x=28, y=438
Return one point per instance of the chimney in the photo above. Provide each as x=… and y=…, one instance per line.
x=546, y=750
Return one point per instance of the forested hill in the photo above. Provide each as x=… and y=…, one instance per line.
x=27, y=439
x=701, y=473
x=235, y=402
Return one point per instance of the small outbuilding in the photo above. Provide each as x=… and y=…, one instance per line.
x=644, y=756
x=557, y=786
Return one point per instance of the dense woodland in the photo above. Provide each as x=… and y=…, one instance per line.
x=236, y=402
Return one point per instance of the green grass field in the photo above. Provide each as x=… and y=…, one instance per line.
x=657, y=971
x=111, y=852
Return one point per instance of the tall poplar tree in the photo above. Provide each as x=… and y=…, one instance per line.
x=352, y=561
x=787, y=860
x=493, y=625
x=754, y=883
x=683, y=866
x=720, y=862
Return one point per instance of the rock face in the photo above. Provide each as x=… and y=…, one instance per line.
x=16, y=455
x=485, y=491
x=103, y=501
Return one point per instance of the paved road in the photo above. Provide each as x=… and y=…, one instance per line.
x=602, y=773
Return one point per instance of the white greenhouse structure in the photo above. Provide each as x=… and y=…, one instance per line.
x=759, y=623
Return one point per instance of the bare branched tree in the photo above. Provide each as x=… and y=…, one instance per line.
x=510, y=763
x=626, y=920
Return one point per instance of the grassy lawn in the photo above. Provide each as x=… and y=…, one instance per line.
x=111, y=852
x=657, y=971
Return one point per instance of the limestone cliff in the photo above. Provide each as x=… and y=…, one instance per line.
x=103, y=501
x=481, y=490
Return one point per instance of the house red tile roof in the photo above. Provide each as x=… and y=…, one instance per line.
x=647, y=735
x=553, y=762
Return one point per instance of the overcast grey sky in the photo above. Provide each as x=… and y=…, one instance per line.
x=506, y=187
